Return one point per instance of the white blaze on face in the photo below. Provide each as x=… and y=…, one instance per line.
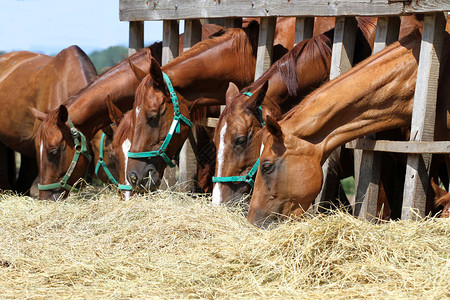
x=126, y=145
x=261, y=150
x=41, y=150
x=138, y=109
x=217, y=192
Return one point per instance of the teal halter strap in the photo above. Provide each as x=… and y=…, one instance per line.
x=80, y=149
x=101, y=163
x=251, y=174
x=174, y=127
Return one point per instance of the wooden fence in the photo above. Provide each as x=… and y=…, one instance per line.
x=420, y=147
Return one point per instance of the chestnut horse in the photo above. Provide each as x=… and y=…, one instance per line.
x=373, y=96
x=38, y=81
x=442, y=199
x=88, y=114
x=197, y=78
x=290, y=79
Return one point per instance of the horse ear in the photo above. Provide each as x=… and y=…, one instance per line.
x=37, y=113
x=258, y=98
x=156, y=73
x=232, y=92
x=115, y=114
x=438, y=191
x=138, y=72
x=274, y=128
x=63, y=115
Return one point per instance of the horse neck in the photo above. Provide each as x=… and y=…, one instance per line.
x=193, y=77
x=297, y=73
x=88, y=109
x=375, y=95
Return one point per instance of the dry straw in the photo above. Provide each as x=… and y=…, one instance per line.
x=171, y=245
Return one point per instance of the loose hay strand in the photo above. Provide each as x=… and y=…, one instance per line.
x=172, y=245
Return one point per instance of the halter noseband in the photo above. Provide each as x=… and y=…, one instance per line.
x=80, y=149
x=251, y=174
x=101, y=164
x=174, y=127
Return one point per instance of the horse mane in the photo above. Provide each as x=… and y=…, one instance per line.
x=241, y=46
x=314, y=95
x=89, y=70
x=317, y=49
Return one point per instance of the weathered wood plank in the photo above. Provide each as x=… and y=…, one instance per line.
x=367, y=183
x=424, y=113
x=400, y=147
x=265, y=45
x=139, y=10
x=170, y=41
x=341, y=61
x=304, y=28
x=188, y=162
x=135, y=37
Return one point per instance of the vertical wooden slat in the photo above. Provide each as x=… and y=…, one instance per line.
x=135, y=37
x=304, y=28
x=265, y=45
x=424, y=113
x=233, y=22
x=170, y=41
x=188, y=162
x=341, y=61
x=367, y=187
x=170, y=51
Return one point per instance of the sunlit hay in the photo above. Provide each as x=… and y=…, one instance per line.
x=171, y=245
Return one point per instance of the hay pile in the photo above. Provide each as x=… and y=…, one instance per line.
x=170, y=245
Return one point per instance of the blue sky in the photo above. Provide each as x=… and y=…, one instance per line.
x=48, y=26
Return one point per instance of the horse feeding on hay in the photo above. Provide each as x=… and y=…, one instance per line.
x=238, y=132
x=373, y=96
x=189, y=82
x=65, y=133
x=287, y=82
x=37, y=81
x=116, y=144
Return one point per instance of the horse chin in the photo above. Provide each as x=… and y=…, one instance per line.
x=236, y=194
x=53, y=195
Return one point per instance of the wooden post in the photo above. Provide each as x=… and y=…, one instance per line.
x=170, y=51
x=367, y=187
x=304, y=28
x=233, y=22
x=265, y=45
x=424, y=113
x=170, y=41
x=188, y=162
x=341, y=61
x=135, y=37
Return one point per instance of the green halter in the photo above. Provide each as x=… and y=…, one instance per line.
x=101, y=163
x=251, y=174
x=174, y=127
x=80, y=149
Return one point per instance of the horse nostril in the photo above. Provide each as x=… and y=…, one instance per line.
x=133, y=178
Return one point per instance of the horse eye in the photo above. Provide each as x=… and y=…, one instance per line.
x=54, y=152
x=240, y=141
x=267, y=167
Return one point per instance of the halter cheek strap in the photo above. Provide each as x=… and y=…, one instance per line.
x=80, y=149
x=174, y=128
x=249, y=178
x=101, y=164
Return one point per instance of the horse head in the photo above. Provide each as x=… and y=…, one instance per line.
x=441, y=198
x=159, y=126
x=63, y=154
x=289, y=176
x=238, y=140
